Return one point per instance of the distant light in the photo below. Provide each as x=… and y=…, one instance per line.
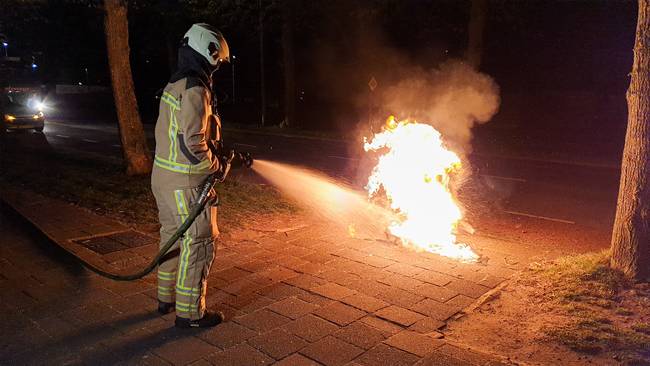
x=233, y=57
x=34, y=66
x=5, y=44
x=80, y=83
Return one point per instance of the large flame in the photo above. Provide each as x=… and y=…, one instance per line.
x=414, y=172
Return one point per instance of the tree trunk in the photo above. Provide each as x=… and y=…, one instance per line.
x=631, y=234
x=134, y=142
x=288, y=63
x=475, y=30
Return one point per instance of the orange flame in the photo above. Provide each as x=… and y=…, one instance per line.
x=414, y=171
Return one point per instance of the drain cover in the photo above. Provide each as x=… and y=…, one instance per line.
x=116, y=242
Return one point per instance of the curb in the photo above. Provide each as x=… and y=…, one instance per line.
x=67, y=226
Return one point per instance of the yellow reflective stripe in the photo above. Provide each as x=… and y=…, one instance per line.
x=171, y=100
x=171, y=134
x=188, y=291
x=185, y=306
x=187, y=240
x=166, y=276
x=165, y=290
x=162, y=163
x=199, y=168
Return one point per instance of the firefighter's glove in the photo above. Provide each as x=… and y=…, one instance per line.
x=213, y=198
x=223, y=163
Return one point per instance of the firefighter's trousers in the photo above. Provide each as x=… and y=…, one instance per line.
x=183, y=278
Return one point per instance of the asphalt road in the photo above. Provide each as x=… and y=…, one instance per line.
x=569, y=195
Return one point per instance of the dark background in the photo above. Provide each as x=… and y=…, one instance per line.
x=562, y=66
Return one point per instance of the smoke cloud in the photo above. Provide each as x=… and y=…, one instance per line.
x=452, y=98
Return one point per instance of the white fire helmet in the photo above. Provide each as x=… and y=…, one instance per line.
x=209, y=42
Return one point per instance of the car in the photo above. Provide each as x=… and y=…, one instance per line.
x=21, y=110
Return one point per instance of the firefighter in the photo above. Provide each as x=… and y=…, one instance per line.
x=185, y=156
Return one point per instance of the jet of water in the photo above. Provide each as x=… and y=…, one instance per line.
x=327, y=198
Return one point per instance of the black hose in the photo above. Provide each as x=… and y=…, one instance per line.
x=198, y=207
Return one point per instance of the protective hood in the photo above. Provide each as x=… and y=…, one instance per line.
x=192, y=64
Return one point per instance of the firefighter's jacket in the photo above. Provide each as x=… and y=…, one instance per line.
x=183, y=132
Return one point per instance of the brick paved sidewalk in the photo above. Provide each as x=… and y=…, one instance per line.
x=310, y=296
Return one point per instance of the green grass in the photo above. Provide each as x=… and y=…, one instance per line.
x=588, y=292
x=100, y=184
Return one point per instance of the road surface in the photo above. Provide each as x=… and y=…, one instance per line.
x=568, y=195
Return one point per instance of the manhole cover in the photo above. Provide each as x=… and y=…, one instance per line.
x=115, y=242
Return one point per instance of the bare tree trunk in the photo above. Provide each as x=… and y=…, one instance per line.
x=475, y=30
x=134, y=142
x=631, y=234
x=288, y=58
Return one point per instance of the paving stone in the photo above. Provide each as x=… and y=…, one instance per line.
x=437, y=293
x=415, y=343
x=296, y=360
x=399, y=297
x=292, y=307
x=248, y=302
x=311, y=328
x=305, y=281
x=290, y=261
x=231, y=274
x=256, y=265
x=315, y=299
x=278, y=274
x=491, y=281
x=384, y=355
x=467, y=288
x=364, y=302
x=426, y=325
x=279, y=291
x=240, y=355
x=404, y=269
x=201, y=362
x=378, y=262
x=277, y=343
x=360, y=335
x=193, y=349
x=241, y=287
x=399, y=281
x=226, y=335
x=432, y=277
x=260, y=279
x=341, y=278
x=333, y=291
x=460, y=301
x=319, y=257
x=339, y=313
x=314, y=269
x=262, y=320
x=332, y=351
x=399, y=315
x=435, y=309
x=385, y=327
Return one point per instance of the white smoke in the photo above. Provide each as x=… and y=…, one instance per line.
x=452, y=98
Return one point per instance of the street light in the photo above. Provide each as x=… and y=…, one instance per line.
x=5, y=45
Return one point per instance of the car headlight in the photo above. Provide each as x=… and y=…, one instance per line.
x=9, y=118
x=38, y=115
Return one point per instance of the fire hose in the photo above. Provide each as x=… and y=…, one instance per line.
x=243, y=159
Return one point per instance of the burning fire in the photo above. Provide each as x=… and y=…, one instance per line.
x=413, y=171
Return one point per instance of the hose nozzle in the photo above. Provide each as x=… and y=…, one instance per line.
x=242, y=159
